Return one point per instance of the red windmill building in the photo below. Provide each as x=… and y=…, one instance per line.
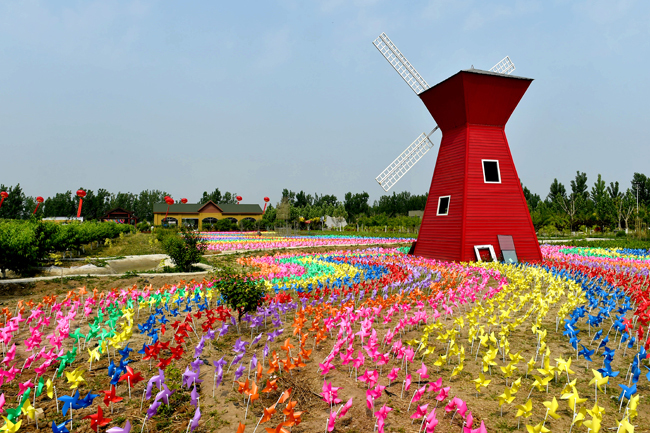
x=476, y=203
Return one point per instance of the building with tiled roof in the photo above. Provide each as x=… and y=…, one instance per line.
x=200, y=214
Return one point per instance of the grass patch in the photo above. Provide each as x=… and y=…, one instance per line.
x=132, y=245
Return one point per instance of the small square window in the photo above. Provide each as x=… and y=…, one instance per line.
x=491, y=173
x=443, y=205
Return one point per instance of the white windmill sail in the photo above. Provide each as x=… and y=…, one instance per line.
x=405, y=161
x=505, y=66
x=403, y=67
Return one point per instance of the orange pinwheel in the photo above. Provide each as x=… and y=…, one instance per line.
x=254, y=395
x=287, y=365
x=303, y=340
x=273, y=363
x=279, y=429
x=285, y=396
x=241, y=428
x=268, y=413
x=287, y=345
x=289, y=409
x=293, y=419
x=298, y=362
x=270, y=385
x=243, y=386
x=259, y=372
x=305, y=354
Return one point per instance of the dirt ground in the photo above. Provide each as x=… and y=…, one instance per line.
x=224, y=412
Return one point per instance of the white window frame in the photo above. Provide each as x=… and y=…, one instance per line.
x=483, y=247
x=498, y=169
x=448, y=204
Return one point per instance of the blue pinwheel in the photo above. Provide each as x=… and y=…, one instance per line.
x=627, y=392
x=586, y=353
x=126, y=352
x=69, y=401
x=60, y=428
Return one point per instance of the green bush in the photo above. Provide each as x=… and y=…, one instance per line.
x=226, y=225
x=184, y=250
x=620, y=234
x=239, y=292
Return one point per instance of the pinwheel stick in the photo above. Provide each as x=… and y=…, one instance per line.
x=144, y=422
x=56, y=398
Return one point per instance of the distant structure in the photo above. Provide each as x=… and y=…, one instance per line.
x=199, y=214
x=119, y=215
x=476, y=207
x=416, y=213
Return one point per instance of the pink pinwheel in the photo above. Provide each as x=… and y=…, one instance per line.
x=331, y=421
x=381, y=415
x=461, y=406
x=330, y=394
x=451, y=405
x=347, y=358
x=432, y=422
x=376, y=391
x=444, y=393
x=422, y=372
x=469, y=420
x=22, y=387
x=420, y=411
x=366, y=377
x=344, y=409
x=359, y=361
x=11, y=354
x=370, y=401
x=11, y=373
x=435, y=386
x=383, y=359
x=407, y=382
x=409, y=354
x=393, y=374
x=2, y=402
x=327, y=366
x=481, y=429
x=418, y=394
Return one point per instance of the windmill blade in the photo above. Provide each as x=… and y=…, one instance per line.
x=505, y=66
x=403, y=67
x=405, y=161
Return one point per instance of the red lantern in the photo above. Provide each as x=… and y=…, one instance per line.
x=81, y=194
x=169, y=201
x=239, y=198
x=4, y=195
x=183, y=200
x=39, y=200
x=266, y=201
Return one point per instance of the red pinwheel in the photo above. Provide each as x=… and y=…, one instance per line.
x=131, y=376
x=177, y=352
x=39, y=200
x=81, y=194
x=3, y=196
x=110, y=397
x=97, y=419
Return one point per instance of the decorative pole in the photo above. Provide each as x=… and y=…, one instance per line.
x=266, y=201
x=81, y=194
x=4, y=195
x=169, y=201
x=39, y=200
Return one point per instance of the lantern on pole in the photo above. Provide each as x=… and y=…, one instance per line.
x=81, y=194
x=39, y=200
x=169, y=201
x=239, y=198
x=183, y=200
x=3, y=195
x=266, y=201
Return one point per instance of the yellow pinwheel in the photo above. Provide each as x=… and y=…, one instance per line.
x=569, y=387
x=539, y=428
x=481, y=381
x=530, y=366
x=632, y=405
x=573, y=399
x=457, y=370
x=598, y=381
x=75, y=378
x=524, y=410
x=552, y=407
x=541, y=382
x=49, y=388
x=440, y=361
x=564, y=366
x=579, y=417
x=624, y=426
x=515, y=386
x=28, y=409
x=10, y=427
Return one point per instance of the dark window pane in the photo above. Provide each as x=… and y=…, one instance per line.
x=443, y=205
x=491, y=171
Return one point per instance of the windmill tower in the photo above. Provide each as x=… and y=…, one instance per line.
x=475, y=202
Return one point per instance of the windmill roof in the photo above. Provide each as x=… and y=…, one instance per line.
x=482, y=72
x=234, y=209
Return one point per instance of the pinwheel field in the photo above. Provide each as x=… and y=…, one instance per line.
x=353, y=340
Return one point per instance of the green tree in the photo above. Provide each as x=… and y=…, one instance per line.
x=214, y=196
x=240, y=292
x=356, y=204
x=603, y=204
x=184, y=250
x=61, y=205
x=144, y=204
x=13, y=206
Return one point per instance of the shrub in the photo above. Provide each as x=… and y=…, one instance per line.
x=184, y=250
x=620, y=234
x=241, y=293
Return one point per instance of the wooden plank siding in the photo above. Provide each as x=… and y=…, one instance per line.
x=472, y=108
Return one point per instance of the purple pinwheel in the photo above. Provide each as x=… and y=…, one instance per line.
x=223, y=330
x=220, y=363
x=157, y=380
x=256, y=339
x=190, y=377
x=196, y=364
x=240, y=370
x=195, y=420
x=195, y=397
x=237, y=358
x=153, y=409
x=254, y=361
x=210, y=334
x=240, y=346
x=164, y=394
x=125, y=429
x=266, y=350
x=198, y=350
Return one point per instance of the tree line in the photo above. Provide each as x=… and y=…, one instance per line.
x=603, y=207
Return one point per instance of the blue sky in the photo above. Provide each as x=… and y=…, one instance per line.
x=253, y=97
